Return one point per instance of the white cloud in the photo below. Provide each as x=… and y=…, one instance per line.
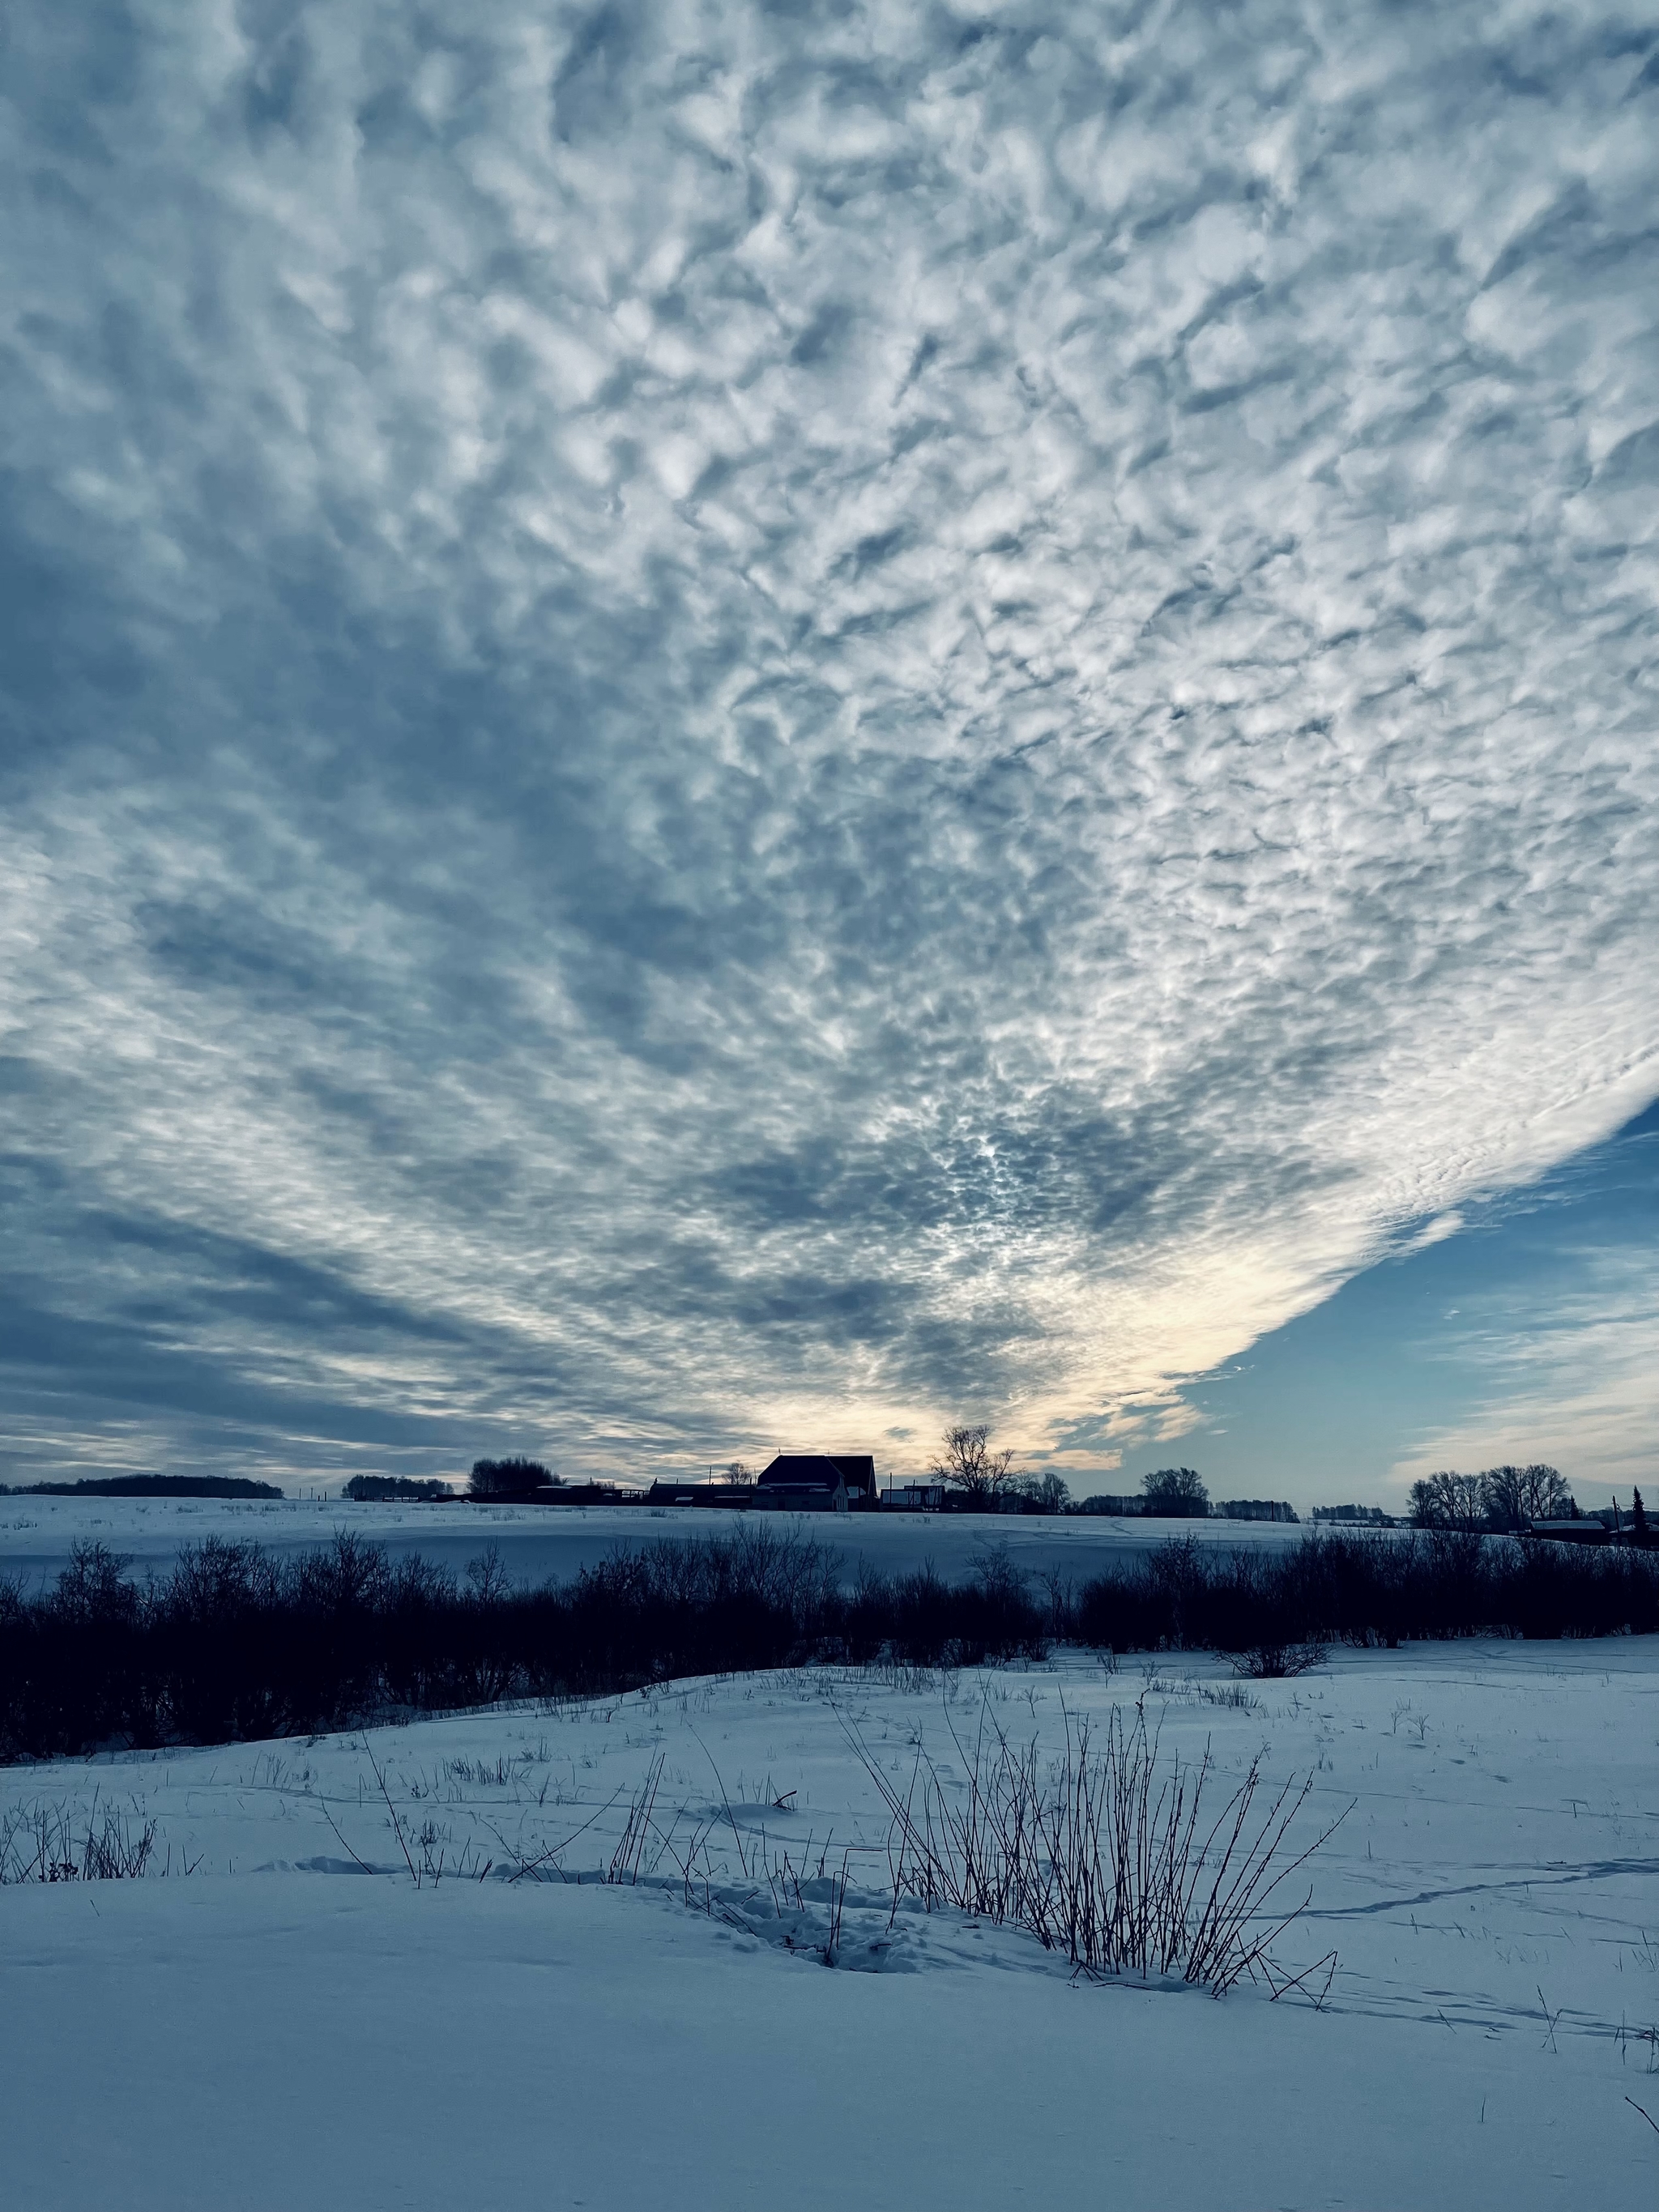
x=802, y=721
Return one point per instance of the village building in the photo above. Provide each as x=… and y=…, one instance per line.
x=686, y=1491
x=1585, y=1530
x=818, y=1482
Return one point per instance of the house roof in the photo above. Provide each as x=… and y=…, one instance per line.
x=802, y=1471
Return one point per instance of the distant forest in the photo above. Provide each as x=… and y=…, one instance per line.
x=146, y=1486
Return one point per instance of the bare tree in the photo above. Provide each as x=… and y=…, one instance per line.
x=1449, y=1501
x=740, y=1475
x=1049, y=1492
x=1177, y=1493
x=1515, y=1495
x=969, y=1466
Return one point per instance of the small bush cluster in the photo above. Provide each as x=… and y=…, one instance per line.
x=238, y=1643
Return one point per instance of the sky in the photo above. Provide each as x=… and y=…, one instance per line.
x=1526, y=1334
x=733, y=726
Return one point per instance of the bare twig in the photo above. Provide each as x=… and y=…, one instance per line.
x=397, y=1824
x=553, y=1853
x=344, y=1846
x=743, y=1855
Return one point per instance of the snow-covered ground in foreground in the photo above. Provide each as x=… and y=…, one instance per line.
x=282, y=2028
x=537, y=1543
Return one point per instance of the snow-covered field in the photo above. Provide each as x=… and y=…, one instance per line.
x=283, y=2028
x=537, y=1543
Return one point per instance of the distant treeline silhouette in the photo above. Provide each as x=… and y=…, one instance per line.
x=237, y=1642
x=146, y=1486
x=394, y=1489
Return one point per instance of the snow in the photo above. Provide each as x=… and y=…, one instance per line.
x=538, y=1542
x=281, y=2027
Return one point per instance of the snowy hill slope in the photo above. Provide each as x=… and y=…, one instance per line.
x=282, y=2027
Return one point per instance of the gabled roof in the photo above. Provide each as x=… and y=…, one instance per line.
x=802, y=1471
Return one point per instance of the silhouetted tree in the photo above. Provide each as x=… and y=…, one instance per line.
x=1513, y=1496
x=1177, y=1493
x=508, y=1478
x=970, y=1468
x=1449, y=1501
x=1049, y=1492
x=1638, y=1517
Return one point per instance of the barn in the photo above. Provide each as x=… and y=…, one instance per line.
x=818, y=1482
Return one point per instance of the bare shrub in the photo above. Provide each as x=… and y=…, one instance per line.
x=1107, y=1854
x=1272, y=1661
x=38, y=1842
x=1233, y=1695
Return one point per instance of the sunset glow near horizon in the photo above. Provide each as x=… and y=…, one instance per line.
x=723, y=730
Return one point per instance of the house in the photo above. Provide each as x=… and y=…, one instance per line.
x=818, y=1482
x=1586, y=1531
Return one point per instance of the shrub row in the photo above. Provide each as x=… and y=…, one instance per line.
x=238, y=1643
x=1366, y=1589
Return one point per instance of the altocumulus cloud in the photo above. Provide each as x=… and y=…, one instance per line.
x=721, y=722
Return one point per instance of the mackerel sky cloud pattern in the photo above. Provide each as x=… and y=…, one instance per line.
x=727, y=722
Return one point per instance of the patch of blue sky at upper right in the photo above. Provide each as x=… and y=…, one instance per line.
x=1524, y=1330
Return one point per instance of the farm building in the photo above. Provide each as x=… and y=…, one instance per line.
x=686, y=1491
x=1583, y=1531
x=818, y=1482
